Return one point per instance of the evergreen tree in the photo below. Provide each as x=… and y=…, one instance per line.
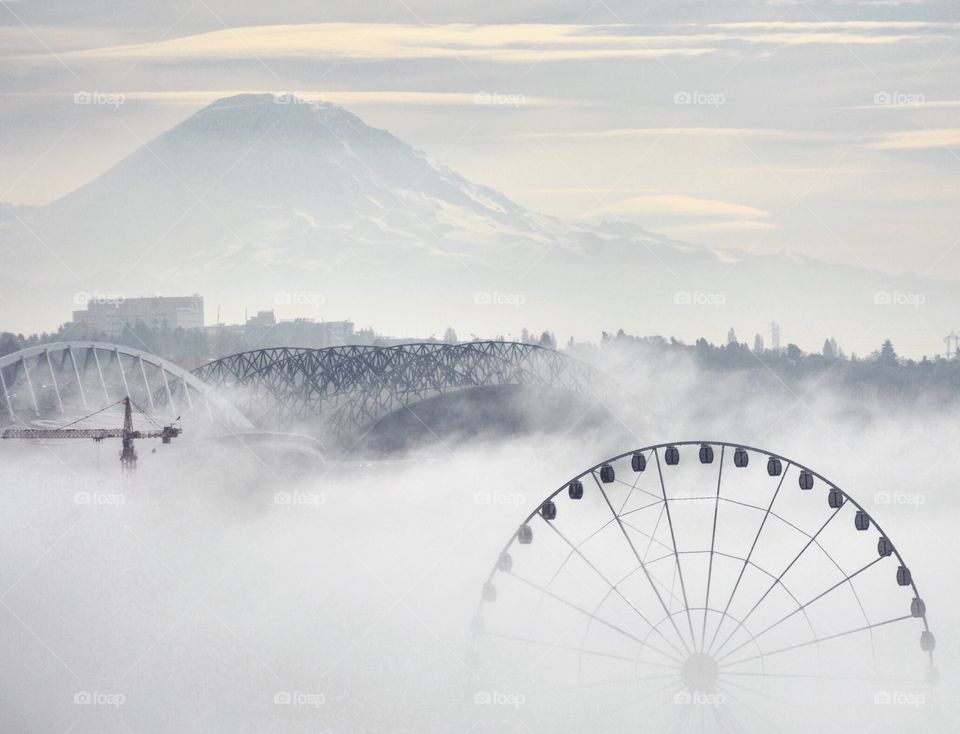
x=8, y=343
x=887, y=354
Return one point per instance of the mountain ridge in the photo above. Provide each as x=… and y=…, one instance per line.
x=259, y=194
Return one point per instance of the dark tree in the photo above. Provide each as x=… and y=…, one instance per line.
x=8, y=343
x=887, y=354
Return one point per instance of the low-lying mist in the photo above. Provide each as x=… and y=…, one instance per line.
x=225, y=588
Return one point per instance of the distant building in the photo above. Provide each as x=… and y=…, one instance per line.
x=263, y=318
x=113, y=315
x=264, y=330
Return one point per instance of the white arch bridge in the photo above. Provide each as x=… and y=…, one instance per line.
x=50, y=383
x=333, y=393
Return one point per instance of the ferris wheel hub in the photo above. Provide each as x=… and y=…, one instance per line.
x=699, y=673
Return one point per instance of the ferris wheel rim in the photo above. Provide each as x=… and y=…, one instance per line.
x=787, y=464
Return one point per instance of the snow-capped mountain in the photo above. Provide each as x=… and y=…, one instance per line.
x=260, y=200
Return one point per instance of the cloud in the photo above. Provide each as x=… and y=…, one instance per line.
x=523, y=43
x=747, y=225
x=679, y=205
x=512, y=43
x=689, y=132
x=682, y=205
x=679, y=214
x=919, y=139
x=353, y=98
x=845, y=25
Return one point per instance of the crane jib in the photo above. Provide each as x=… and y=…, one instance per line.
x=127, y=434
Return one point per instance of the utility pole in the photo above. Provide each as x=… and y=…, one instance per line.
x=953, y=344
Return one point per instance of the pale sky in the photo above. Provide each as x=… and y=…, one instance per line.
x=822, y=127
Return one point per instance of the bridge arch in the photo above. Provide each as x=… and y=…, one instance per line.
x=51, y=382
x=347, y=389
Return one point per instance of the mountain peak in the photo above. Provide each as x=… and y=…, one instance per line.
x=278, y=100
x=287, y=112
x=275, y=177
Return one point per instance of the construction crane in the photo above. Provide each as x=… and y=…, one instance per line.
x=127, y=434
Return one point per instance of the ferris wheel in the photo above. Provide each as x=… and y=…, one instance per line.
x=700, y=586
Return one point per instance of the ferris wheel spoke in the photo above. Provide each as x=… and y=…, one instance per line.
x=759, y=694
x=813, y=676
x=746, y=560
x=786, y=589
x=714, y=710
x=595, y=617
x=633, y=488
x=778, y=579
x=563, y=563
x=829, y=556
x=818, y=640
x=601, y=684
x=622, y=580
x=640, y=509
x=680, y=722
x=803, y=606
x=713, y=544
x=656, y=527
x=651, y=538
x=751, y=709
x=752, y=639
x=640, y=560
x=726, y=613
x=612, y=586
x=673, y=585
x=591, y=641
x=673, y=539
x=586, y=630
x=599, y=530
x=588, y=725
x=585, y=651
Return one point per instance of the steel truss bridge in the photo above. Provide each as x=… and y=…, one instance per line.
x=349, y=389
x=53, y=382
